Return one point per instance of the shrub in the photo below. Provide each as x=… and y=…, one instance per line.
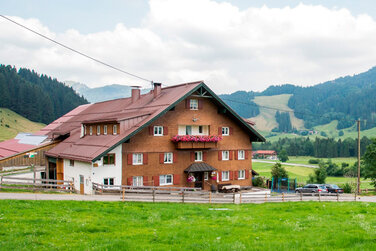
x=258, y=182
x=347, y=188
x=313, y=161
x=6, y=125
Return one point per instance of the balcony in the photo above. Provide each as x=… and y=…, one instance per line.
x=195, y=141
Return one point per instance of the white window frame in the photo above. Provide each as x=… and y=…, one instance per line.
x=193, y=104
x=206, y=175
x=138, y=181
x=114, y=131
x=98, y=131
x=105, y=129
x=108, y=181
x=163, y=179
x=168, y=158
x=225, y=175
x=241, y=174
x=198, y=156
x=226, y=155
x=137, y=159
x=186, y=129
x=225, y=131
x=158, y=130
x=91, y=130
x=241, y=154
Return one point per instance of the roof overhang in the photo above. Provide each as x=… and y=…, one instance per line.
x=199, y=167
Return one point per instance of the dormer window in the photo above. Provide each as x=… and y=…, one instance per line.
x=115, y=129
x=91, y=130
x=82, y=131
x=193, y=104
x=98, y=130
x=105, y=129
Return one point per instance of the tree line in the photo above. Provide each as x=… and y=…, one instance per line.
x=37, y=97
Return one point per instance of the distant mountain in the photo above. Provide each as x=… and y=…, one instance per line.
x=36, y=97
x=99, y=94
x=344, y=99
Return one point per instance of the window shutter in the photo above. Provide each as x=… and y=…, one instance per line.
x=151, y=129
x=161, y=158
x=200, y=104
x=231, y=175
x=236, y=175
x=205, y=156
x=231, y=130
x=247, y=174
x=129, y=181
x=165, y=130
x=175, y=157
x=219, y=131
x=145, y=180
x=220, y=176
x=192, y=156
x=236, y=155
x=145, y=159
x=219, y=155
x=156, y=180
x=129, y=159
x=187, y=103
x=246, y=154
x=176, y=179
x=230, y=155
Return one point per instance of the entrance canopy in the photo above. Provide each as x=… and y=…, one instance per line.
x=199, y=167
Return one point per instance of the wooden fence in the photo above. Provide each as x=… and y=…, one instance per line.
x=36, y=184
x=196, y=195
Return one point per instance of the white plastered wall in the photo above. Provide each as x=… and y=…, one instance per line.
x=109, y=171
x=74, y=172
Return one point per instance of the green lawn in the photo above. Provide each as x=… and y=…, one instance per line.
x=70, y=225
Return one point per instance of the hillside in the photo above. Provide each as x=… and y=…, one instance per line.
x=104, y=93
x=11, y=124
x=36, y=97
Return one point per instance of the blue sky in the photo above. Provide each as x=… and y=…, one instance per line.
x=232, y=45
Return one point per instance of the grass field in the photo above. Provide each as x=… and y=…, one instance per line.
x=11, y=123
x=70, y=225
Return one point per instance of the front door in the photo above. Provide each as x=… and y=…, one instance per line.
x=198, y=182
x=82, y=184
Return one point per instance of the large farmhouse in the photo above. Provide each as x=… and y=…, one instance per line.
x=183, y=135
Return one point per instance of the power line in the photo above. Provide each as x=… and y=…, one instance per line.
x=76, y=51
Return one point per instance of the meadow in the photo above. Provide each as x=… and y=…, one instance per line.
x=73, y=225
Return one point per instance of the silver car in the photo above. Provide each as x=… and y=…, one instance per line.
x=312, y=188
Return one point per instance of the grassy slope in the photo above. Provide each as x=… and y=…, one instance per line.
x=71, y=225
x=266, y=119
x=16, y=124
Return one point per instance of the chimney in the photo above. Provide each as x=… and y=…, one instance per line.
x=157, y=89
x=135, y=93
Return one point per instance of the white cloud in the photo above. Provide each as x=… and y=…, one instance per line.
x=182, y=41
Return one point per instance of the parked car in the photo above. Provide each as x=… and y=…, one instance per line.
x=332, y=188
x=312, y=188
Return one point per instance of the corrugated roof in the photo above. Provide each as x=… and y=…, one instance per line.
x=199, y=167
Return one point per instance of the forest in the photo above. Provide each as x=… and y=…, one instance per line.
x=37, y=97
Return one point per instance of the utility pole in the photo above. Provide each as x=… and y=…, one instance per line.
x=358, y=121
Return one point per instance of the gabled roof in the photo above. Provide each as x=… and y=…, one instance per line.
x=21, y=143
x=138, y=114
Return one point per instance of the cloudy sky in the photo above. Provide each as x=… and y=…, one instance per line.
x=231, y=45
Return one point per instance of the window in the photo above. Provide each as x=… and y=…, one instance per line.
x=206, y=175
x=165, y=179
x=241, y=154
x=138, y=181
x=137, y=158
x=198, y=156
x=109, y=159
x=105, y=129
x=200, y=129
x=91, y=130
x=115, y=129
x=225, y=155
x=188, y=130
x=85, y=130
x=225, y=131
x=168, y=158
x=158, y=130
x=98, y=130
x=241, y=174
x=108, y=181
x=193, y=104
x=225, y=175
x=71, y=162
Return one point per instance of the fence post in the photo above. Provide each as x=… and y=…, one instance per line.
x=70, y=187
x=210, y=196
x=337, y=196
x=355, y=196
x=123, y=194
x=283, y=197
x=319, y=196
x=266, y=197
x=153, y=194
x=233, y=197
x=182, y=196
x=240, y=198
x=1, y=181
